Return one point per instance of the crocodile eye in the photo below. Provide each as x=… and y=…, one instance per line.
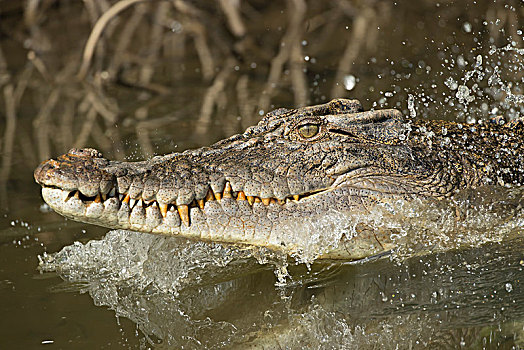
x=307, y=131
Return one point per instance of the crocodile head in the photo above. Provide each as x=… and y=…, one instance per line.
x=295, y=164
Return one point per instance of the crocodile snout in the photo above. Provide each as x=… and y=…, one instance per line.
x=79, y=169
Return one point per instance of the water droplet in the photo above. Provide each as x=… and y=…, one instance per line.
x=467, y=27
x=349, y=82
x=451, y=83
x=509, y=287
x=411, y=106
x=463, y=95
x=461, y=62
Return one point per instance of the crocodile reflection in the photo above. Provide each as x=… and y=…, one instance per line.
x=445, y=300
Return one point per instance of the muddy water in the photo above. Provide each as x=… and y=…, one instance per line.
x=459, y=61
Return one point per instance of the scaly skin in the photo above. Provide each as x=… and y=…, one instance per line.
x=295, y=164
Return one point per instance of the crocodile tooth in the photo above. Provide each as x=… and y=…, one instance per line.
x=209, y=196
x=126, y=199
x=296, y=196
x=241, y=196
x=227, y=191
x=273, y=201
x=183, y=211
x=97, y=198
x=200, y=203
x=163, y=208
x=104, y=196
x=281, y=201
x=218, y=195
x=172, y=218
x=77, y=194
x=266, y=201
x=120, y=196
x=251, y=199
x=69, y=195
x=257, y=200
x=112, y=193
x=132, y=203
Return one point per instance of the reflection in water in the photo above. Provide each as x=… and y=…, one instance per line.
x=165, y=76
x=470, y=297
x=191, y=294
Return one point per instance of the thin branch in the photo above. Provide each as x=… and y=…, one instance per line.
x=231, y=10
x=198, y=32
x=353, y=47
x=125, y=37
x=41, y=124
x=97, y=31
x=294, y=32
x=9, y=137
x=148, y=69
x=296, y=58
x=211, y=96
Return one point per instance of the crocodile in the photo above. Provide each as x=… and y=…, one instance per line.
x=295, y=164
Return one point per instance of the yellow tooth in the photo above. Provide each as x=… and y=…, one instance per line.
x=257, y=200
x=183, y=211
x=273, y=200
x=295, y=197
x=218, y=195
x=241, y=196
x=209, y=196
x=227, y=191
x=200, y=203
x=266, y=201
x=251, y=199
x=163, y=209
x=281, y=201
x=126, y=199
x=97, y=198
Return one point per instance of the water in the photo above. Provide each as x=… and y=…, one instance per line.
x=171, y=287
x=454, y=282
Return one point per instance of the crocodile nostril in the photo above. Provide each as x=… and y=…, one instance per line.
x=53, y=163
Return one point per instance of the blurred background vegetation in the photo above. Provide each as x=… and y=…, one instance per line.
x=134, y=78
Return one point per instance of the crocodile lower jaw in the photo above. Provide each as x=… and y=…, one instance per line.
x=116, y=210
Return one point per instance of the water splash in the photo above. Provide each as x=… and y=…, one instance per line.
x=472, y=87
